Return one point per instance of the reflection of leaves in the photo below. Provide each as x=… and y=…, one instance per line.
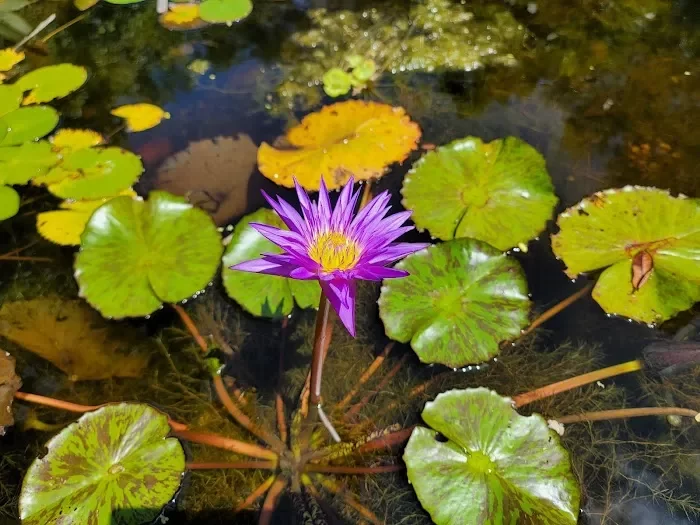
x=73, y=337
x=352, y=138
x=493, y=465
x=9, y=384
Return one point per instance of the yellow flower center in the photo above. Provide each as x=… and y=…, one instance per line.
x=334, y=251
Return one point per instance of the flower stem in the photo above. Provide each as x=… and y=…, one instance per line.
x=239, y=447
x=24, y=258
x=257, y=493
x=267, y=465
x=387, y=441
x=271, y=500
x=322, y=339
x=575, y=382
x=191, y=327
x=629, y=412
x=279, y=402
x=554, y=310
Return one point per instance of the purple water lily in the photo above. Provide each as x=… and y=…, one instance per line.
x=335, y=246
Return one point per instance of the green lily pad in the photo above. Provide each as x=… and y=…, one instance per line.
x=27, y=124
x=336, y=82
x=363, y=70
x=10, y=98
x=613, y=228
x=136, y=255
x=51, y=82
x=19, y=164
x=460, y=301
x=223, y=11
x=93, y=173
x=124, y=2
x=115, y=465
x=499, y=192
x=263, y=295
x=9, y=202
x=496, y=467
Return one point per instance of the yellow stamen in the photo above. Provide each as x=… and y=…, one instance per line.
x=334, y=251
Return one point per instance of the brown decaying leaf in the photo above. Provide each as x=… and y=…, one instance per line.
x=72, y=336
x=642, y=266
x=212, y=174
x=9, y=384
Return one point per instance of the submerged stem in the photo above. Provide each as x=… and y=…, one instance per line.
x=257, y=493
x=621, y=413
x=267, y=465
x=322, y=339
x=355, y=409
x=271, y=500
x=575, y=382
x=366, y=375
x=554, y=310
x=333, y=469
x=191, y=327
x=225, y=443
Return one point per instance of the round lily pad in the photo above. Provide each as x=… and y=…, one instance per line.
x=10, y=98
x=19, y=164
x=9, y=202
x=27, y=124
x=222, y=11
x=263, y=295
x=137, y=254
x=93, y=173
x=51, y=82
x=649, y=244
x=461, y=299
x=114, y=466
x=495, y=467
x=498, y=192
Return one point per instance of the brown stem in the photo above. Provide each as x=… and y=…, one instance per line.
x=355, y=409
x=64, y=26
x=367, y=374
x=324, y=327
x=629, y=412
x=256, y=494
x=271, y=501
x=349, y=499
x=24, y=258
x=189, y=323
x=279, y=402
x=575, y=382
x=387, y=441
x=366, y=194
x=554, y=310
x=332, y=469
x=239, y=447
x=267, y=465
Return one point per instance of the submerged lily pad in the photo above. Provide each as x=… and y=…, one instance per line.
x=51, y=82
x=264, y=295
x=136, y=254
x=115, y=465
x=19, y=164
x=27, y=124
x=223, y=11
x=9, y=384
x=496, y=466
x=93, y=173
x=461, y=299
x=498, y=192
x=9, y=202
x=649, y=243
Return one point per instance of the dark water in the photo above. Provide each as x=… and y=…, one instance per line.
x=607, y=90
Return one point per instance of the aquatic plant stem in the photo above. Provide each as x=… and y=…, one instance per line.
x=366, y=375
x=333, y=469
x=279, y=402
x=191, y=327
x=366, y=194
x=271, y=500
x=554, y=310
x=23, y=258
x=257, y=493
x=355, y=409
x=387, y=440
x=38, y=29
x=349, y=499
x=324, y=327
x=64, y=26
x=622, y=413
x=225, y=443
x=267, y=465
x=575, y=382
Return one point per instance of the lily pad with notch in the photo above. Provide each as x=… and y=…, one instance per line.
x=646, y=241
x=498, y=192
x=461, y=299
x=135, y=255
x=51, y=82
x=263, y=295
x=493, y=466
x=27, y=124
x=115, y=465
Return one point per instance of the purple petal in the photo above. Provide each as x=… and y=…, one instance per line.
x=264, y=266
x=377, y=273
x=324, y=206
x=303, y=274
x=342, y=212
x=341, y=294
x=374, y=211
x=281, y=238
x=397, y=251
x=287, y=213
x=304, y=200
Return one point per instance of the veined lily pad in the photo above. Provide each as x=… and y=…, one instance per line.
x=461, y=299
x=649, y=242
x=136, y=254
x=223, y=11
x=115, y=465
x=51, y=82
x=498, y=192
x=9, y=202
x=496, y=467
x=264, y=295
x=27, y=124
x=93, y=173
x=19, y=164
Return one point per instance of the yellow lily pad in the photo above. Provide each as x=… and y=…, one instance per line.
x=9, y=58
x=182, y=16
x=75, y=139
x=140, y=117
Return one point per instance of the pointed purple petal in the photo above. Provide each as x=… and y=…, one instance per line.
x=342, y=211
x=341, y=294
x=374, y=211
x=377, y=273
x=264, y=266
x=324, y=206
x=304, y=200
x=281, y=238
x=397, y=251
x=287, y=213
x=303, y=274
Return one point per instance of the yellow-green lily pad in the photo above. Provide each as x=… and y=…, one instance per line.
x=27, y=124
x=9, y=202
x=224, y=11
x=19, y=164
x=51, y=82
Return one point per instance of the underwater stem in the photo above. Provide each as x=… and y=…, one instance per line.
x=321, y=342
x=366, y=375
x=279, y=402
x=64, y=26
x=268, y=465
x=554, y=310
x=189, y=323
x=387, y=440
x=239, y=447
x=349, y=499
x=257, y=493
x=333, y=469
x=575, y=382
x=355, y=409
x=629, y=412
x=271, y=500
x=24, y=258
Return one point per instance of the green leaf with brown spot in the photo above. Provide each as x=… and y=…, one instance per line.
x=263, y=295
x=460, y=301
x=495, y=467
x=136, y=255
x=498, y=192
x=611, y=229
x=114, y=466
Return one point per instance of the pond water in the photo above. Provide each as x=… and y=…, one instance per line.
x=608, y=91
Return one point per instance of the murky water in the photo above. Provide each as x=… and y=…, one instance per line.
x=608, y=91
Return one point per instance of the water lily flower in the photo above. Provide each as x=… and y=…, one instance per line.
x=335, y=245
